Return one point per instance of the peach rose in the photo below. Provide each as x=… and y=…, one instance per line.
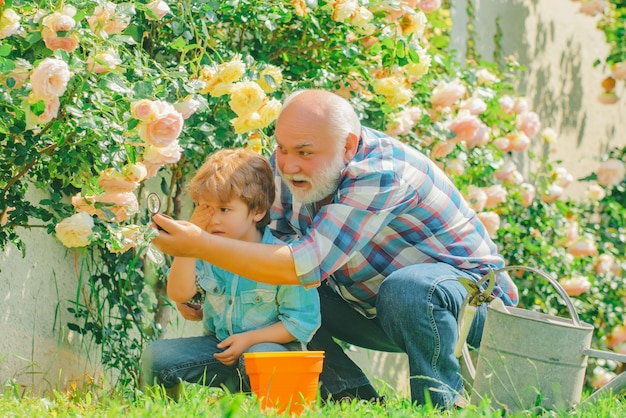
x=491, y=222
x=611, y=172
x=496, y=194
x=135, y=172
x=441, y=149
x=343, y=9
x=4, y=215
x=582, y=247
x=486, y=77
x=549, y=135
x=105, y=21
x=562, y=177
x=53, y=41
x=75, y=231
x=127, y=237
x=502, y=143
x=145, y=110
x=552, y=193
x=413, y=23
x=164, y=129
x=49, y=79
x=476, y=198
x=111, y=180
x=507, y=104
x=528, y=192
x=465, y=126
x=246, y=97
x=446, y=94
x=480, y=138
x=270, y=78
x=593, y=7
x=156, y=157
x=51, y=110
x=529, y=123
x=601, y=377
x=619, y=70
x=474, y=105
x=521, y=105
x=19, y=74
x=505, y=173
x=519, y=141
x=60, y=22
x=121, y=204
x=575, y=286
x=595, y=192
x=608, y=97
x=604, y=264
x=187, y=107
x=428, y=6
x=84, y=203
x=103, y=62
x=9, y=23
x=617, y=336
x=159, y=8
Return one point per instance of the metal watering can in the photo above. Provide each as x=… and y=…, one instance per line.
x=528, y=359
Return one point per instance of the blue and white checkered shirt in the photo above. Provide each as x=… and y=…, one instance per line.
x=393, y=208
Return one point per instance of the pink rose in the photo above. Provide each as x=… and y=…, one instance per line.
x=519, y=141
x=476, y=198
x=617, y=336
x=601, y=377
x=103, y=62
x=486, y=77
x=575, y=286
x=50, y=112
x=582, y=247
x=608, y=97
x=529, y=123
x=480, y=138
x=502, y=143
x=562, y=177
x=60, y=22
x=113, y=181
x=604, y=264
x=49, y=79
x=447, y=94
x=496, y=194
x=474, y=105
x=491, y=222
x=75, y=231
x=521, y=105
x=506, y=172
x=164, y=129
x=145, y=110
x=611, y=172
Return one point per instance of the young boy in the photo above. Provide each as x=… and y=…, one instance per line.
x=233, y=192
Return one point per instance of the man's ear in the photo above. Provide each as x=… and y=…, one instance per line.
x=352, y=143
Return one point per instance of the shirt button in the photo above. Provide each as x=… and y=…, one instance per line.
x=230, y=301
x=257, y=299
x=215, y=290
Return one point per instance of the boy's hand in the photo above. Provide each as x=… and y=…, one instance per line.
x=189, y=311
x=201, y=216
x=236, y=344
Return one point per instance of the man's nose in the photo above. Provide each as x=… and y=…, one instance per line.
x=289, y=165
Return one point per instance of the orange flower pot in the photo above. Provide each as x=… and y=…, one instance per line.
x=285, y=380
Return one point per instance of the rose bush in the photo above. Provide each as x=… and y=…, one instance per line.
x=107, y=100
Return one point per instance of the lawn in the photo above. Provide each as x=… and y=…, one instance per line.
x=209, y=402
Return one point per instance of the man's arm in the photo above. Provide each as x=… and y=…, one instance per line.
x=266, y=263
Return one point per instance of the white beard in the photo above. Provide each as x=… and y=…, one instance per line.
x=323, y=183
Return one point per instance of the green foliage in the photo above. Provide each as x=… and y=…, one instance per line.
x=390, y=68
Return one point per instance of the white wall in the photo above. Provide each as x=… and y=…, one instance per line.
x=558, y=46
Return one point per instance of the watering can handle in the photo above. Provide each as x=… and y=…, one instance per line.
x=555, y=284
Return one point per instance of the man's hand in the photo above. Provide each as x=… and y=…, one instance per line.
x=175, y=236
x=236, y=344
x=189, y=312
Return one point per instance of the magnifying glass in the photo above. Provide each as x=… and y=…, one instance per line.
x=154, y=206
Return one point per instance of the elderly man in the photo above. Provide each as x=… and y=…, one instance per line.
x=383, y=234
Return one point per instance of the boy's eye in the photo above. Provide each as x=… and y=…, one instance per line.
x=224, y=209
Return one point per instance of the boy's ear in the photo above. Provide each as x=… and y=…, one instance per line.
x=259, y=215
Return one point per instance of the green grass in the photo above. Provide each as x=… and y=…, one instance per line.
x=199, y=401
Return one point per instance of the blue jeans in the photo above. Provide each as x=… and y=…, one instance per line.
x=417, y=310
x=168, y=362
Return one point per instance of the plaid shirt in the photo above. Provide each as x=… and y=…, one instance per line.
x=234, y=304
x=393, y=208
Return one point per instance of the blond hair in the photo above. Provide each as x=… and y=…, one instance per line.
x=236, y=173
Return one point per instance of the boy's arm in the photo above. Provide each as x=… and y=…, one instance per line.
x=181, y=282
